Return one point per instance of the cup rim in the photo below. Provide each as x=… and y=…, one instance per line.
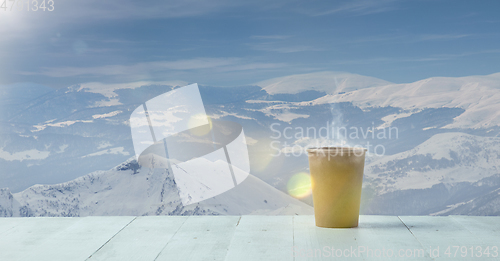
x=335, y=149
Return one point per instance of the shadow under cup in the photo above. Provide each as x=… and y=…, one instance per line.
x=336, y=179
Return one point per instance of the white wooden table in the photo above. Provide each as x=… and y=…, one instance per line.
x=248, y=238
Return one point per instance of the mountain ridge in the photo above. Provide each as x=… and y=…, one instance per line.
x=58, y=140
x=129, y=189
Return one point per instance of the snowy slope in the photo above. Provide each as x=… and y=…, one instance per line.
x=451, y=173
x=131, y=190
x=444, y=158
x=486, y=204
x=64, y=134
x=478, y=95
x=67, y=133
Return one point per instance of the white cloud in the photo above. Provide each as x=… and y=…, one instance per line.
x=280, y=48
x=271, y=37
x=108, y=89
x=32, y=154
x=117, y=150
x=406, y=38
x=430, y=58
x=279, y=44
x=357, y=7
x=146, y=68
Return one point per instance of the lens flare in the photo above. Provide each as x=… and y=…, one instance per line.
x=299, y=185
x=199, y=120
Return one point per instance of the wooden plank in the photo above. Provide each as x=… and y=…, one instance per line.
x=143, y=239
x=27, y=235
x=77, y=241
x=479, y=223
x=201, y=238
x=248, y=238
x=443, y=237
x=376, y=238
x=8, y=223
x=311, y=242
x=391, y=236
x=262, y=238
x=485, y=228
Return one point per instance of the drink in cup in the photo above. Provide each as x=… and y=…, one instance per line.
x=336, y=179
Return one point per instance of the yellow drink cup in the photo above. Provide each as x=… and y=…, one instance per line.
x=336, y=179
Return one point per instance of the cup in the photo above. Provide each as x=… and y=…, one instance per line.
x=336, y=179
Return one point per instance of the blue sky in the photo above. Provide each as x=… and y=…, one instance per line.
x=228, y=43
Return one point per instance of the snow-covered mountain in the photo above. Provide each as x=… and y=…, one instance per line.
x=129, y=189
x=479, y=96
x=448, y=125
x=447, y=171
x=328, y=82
x=443, y=159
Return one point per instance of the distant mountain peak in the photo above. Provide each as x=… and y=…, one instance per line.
x=450, y=157
x=129, y=189
x=328, y=82
x=477, y=95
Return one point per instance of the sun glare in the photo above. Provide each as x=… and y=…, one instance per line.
x=299, y=185
x=197, y=121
